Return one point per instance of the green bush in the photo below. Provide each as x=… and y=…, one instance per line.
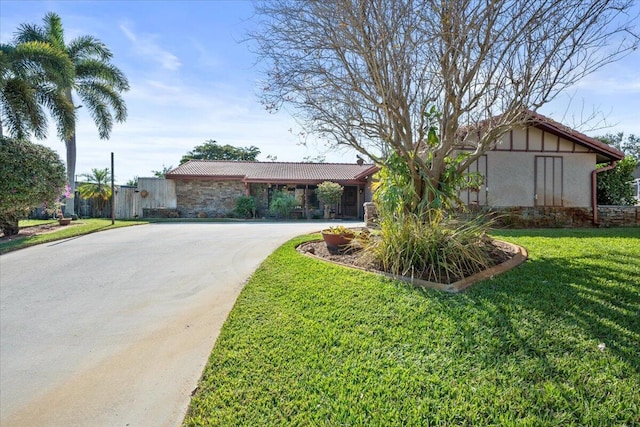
x=31, y=175
x=245, y=207
x=438, y=249
x=614, y=186
x=329, y=193
x=282, y=204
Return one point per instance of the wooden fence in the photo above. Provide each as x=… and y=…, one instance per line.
x=156, y=193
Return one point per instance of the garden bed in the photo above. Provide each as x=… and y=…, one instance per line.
x=503, y=257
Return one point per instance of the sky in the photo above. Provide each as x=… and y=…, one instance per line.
x=194, y=79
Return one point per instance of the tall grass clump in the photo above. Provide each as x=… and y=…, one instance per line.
x=438, y=248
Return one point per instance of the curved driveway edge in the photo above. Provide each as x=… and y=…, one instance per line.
x=114, y=328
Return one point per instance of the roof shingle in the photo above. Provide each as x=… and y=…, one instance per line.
x=270, y=171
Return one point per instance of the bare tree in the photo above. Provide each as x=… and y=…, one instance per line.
x=367, y=72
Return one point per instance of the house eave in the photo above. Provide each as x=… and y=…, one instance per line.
x=207, y=177
x=600, y=148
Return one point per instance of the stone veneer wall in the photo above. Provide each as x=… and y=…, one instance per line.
x=525, y=217
x=619, y=216
x=205, y=198
x=608, y=216
x=160, y=213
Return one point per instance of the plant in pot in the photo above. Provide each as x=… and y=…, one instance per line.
x=337, y=237
x=329, y=194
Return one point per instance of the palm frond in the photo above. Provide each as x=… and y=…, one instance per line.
x=29, y=33
x=106, y=94
x=85, y=47
x=54, y=30
x=92, y=69
x=21, y=112
x=60, y=107
x=98, y=109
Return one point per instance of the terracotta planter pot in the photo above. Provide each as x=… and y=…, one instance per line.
x=64, y=221
x=337, y=240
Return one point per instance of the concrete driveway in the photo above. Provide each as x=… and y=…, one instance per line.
x=114, y=328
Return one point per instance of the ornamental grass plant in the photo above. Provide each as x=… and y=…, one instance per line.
x=436, y=248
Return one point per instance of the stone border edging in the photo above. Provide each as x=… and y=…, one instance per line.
x=518, y=258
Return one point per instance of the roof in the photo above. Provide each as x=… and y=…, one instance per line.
x=604, y=152
x=550, y=125
x=272, y=172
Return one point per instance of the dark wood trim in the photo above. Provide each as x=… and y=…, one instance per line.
x=542, y=202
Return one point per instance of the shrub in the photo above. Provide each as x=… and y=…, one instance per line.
x=31, y=175
x=438, y=249
x=245, y=207
x=282, y=203
x=614, y=187
x=329, y=193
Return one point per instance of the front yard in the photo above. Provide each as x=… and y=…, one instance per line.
x=553, y=342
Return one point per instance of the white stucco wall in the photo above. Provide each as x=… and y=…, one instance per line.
x=511, y=169
x=511, y=179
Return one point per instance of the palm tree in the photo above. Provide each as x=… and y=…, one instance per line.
x=97, y=188
x=97, y=82
x=30, y=76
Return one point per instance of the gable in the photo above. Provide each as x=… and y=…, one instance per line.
x=543, y=140
x=544, y=135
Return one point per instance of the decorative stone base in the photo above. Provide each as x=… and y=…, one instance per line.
x=619, y=216
x=370, y=214
x=546, y=217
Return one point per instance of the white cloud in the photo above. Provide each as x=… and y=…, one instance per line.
x=146, y=46
x=205, y=58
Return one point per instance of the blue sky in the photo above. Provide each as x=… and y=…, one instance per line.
x=192, y=79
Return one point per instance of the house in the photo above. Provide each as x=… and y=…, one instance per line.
x=211, y=188
x=542, y=168
x=544, y=172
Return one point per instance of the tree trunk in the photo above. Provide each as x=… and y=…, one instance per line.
x=71, y=174
x=9, y=225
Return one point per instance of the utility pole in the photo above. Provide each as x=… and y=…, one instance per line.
x=113, y=192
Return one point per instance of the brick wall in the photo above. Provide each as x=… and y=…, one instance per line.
x=202, y=198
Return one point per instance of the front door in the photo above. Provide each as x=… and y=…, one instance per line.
x=350, y=202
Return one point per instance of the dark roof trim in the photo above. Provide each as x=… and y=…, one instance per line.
x=303, y=181
x=207, y=177
x=370, y=171
x=549, y=125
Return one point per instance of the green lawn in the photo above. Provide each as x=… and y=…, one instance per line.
x=553, y=342
x=77, y=228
